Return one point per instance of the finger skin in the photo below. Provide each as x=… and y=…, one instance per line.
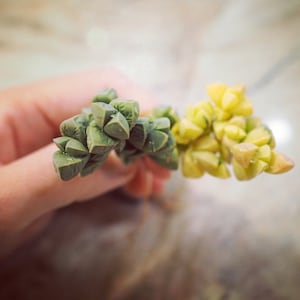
x=156, y=169
x=31, y=188
x=141, y=184
x=157, y=186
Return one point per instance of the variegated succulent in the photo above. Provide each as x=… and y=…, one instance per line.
x=211, y=135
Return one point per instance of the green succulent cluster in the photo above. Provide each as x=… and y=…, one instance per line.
x=111, y=123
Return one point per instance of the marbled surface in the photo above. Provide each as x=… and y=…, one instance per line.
x=244, y=236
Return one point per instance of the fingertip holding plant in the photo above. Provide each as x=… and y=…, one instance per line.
x=211, y=135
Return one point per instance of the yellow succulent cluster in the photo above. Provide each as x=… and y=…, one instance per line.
x=213, y=133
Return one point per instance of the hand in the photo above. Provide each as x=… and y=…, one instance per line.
x=29, y=120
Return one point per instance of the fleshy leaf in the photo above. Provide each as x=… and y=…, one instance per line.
x=72, y=128
x=128, y=108
x=75, y=148
x=167, y=160
x=93, y=164
x=216, y=92
x=155, y=141
x=98, y=141
x=117, y=127
x=66, y=166
x=162, y=124
x=102, y=113
x=206, y=143
x=244, y=153
x=190, y=168
x=165, y=112
x=259, y=136
x=61, y=142
x=207, y=160
x=139, y=132
x=106, y=95
x=279, y=163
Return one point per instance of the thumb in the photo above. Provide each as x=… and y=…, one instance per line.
x=31, y=188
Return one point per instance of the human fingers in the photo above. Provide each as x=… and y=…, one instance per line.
x=140, y=184
x=30, y=187
x=157, y=170
x=148, y=180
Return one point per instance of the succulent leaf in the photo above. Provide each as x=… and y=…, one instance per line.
x=75, y=148
x=98, y=141
x=117, y=127
x=206, y=143
x=165, y=112
x=216, y=92
x=155, y=141
x=128, y=108
x=244, y=153
x=102, y=113
x=168, y=159
x=93, y=164
x=66, y=166
x=106, y=95
x=259, y=136
x=162, y=124
x=139, y=132
x=61, y=142
x=206, y=159
x=190, y=168
x=279, y=163
x=72, y=128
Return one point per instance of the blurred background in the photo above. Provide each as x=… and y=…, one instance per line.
x=216, y=239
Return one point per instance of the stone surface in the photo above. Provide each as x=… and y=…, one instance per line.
x=243, y=237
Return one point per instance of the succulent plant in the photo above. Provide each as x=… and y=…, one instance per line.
x=109, y=124
x=215, y=133
x=211, y=135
